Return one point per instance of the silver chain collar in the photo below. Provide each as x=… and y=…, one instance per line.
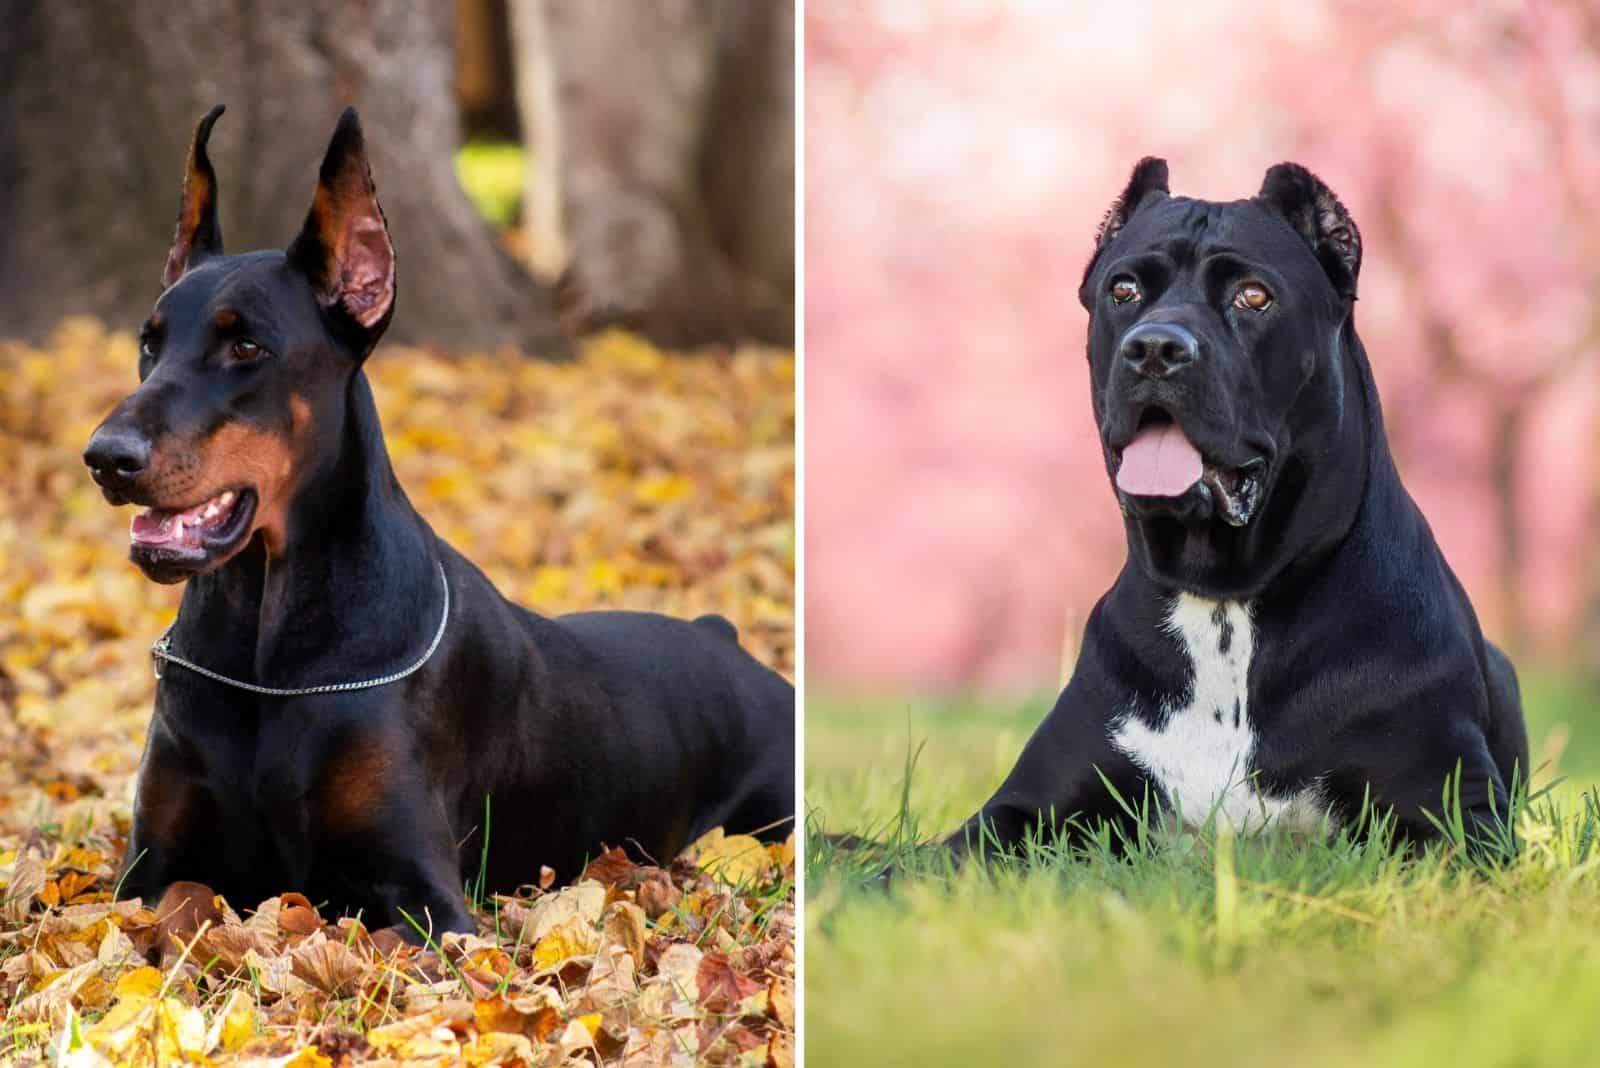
x=161, y=652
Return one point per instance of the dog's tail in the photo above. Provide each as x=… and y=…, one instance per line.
x=719, y=626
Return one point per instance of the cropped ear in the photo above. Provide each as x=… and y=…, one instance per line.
x=1302, y=200
x=1149, y=179
x=344, y=247
x=199, y=235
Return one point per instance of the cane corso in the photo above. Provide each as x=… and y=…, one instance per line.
x=1285, y=644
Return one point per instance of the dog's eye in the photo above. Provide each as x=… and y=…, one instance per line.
x=147, y=348
x=1252, y=296
x=1124, y=289
x=244, y=350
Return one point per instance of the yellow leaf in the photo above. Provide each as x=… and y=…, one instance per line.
x=446, y=486
x=140, y=983
x=181, y=1031
x=605, y=578
x=549, y=585
x=574, y=936
x=235, y=1024
x=782, y=853
x=735, y=859
x=663, y=489
x=498, y=1048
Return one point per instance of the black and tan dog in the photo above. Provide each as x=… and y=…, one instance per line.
x=254, y=447
x=1285, y=644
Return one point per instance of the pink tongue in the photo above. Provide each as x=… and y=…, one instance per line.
x=1160, y=462
x=153, y=527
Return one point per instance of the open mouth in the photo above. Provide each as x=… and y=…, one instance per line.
x=191, y=535
x=1161, y=462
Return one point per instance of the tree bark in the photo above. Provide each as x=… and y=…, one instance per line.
x=99, y=104
x=672, y=145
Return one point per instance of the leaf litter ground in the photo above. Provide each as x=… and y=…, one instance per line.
x=629, y=478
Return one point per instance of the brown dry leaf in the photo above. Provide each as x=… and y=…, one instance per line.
x=184, y=909
x=331, y=967
x=586, y=901
x=609, y=868
x=421, y=1036
x=625, y=926
x=680, y=965
x=780, y=1052
x=657, y=894
x=723, y=990
x=24, y=882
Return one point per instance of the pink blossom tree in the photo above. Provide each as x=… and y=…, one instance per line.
x=958, y=157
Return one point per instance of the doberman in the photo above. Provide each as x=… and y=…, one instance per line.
x=347, y=707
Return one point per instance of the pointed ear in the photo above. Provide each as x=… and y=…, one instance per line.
x=344, y=247
x=199, y=235
x=1302, y=200
x=1149, y=179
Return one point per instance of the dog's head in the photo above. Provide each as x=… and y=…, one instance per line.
x=1216, y=343
x=243, y=366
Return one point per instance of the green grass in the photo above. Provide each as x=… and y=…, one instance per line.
x=492, y=174
x=1271, y=950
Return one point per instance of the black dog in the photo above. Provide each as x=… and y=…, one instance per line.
x=254, y=445
x=1285, y=640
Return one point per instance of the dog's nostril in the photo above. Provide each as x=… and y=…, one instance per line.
x=116, y=454
x=1158, y=349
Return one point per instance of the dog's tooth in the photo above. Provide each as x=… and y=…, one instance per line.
x=226, y=499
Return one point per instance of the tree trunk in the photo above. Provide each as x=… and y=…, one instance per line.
x=100, y=103
x=485, y=90
x=1506, y=452
x=670, y=132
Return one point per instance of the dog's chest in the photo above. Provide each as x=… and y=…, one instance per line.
x=1202, y=750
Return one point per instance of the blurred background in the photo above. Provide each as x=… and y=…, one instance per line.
x=959, y=157
x=642, y=152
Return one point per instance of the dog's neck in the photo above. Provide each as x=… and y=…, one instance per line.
x=1342, y=467
x=356, y=590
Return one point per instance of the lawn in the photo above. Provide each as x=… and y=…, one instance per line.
x=1270, y=950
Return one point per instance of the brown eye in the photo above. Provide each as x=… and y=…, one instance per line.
x=1252, y=296
x=1124, y=289
x=245, y=350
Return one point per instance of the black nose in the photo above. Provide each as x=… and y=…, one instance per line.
x=1155, y=350
x=116, y=455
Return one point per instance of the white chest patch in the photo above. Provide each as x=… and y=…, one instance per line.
x=1202, y=752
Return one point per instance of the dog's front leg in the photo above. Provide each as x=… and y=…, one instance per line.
x=1432, y=778
x=1059, y=784
x=421, y=901
x=177, y=825
x=404, y=875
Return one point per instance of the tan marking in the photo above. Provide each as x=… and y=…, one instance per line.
x=239, y=454
x=198, y=193
x=353, y=785
x=225, y=319
x=165, y=804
